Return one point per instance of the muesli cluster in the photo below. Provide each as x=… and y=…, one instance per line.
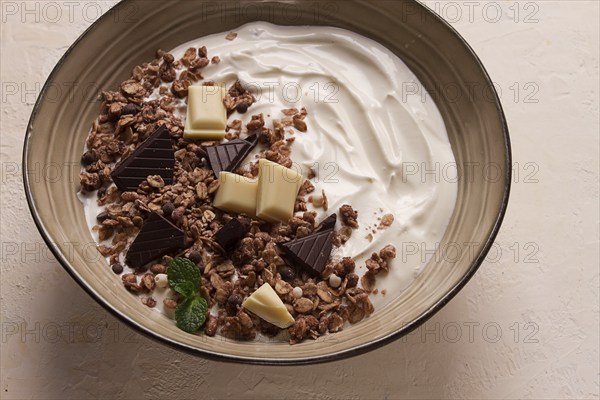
x=235, y=253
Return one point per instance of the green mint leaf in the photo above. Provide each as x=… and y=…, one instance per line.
x=191, y=314
x=184, y=276
x=186, y=289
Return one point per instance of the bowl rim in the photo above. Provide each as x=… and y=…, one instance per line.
x=224, y=357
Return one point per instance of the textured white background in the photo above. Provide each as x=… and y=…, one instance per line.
x=528, y=319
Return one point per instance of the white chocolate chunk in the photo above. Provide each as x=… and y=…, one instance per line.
x=265, y=303
x=206, y=113
x=236, y=194
x=277, y=190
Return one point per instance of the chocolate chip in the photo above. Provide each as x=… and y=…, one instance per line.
x=287, y=273
x=242, y=108
x=88, y=158
x=168, y=208
x=117, y=268
x=232, y=304
x=103, y=216
x=195, y=257
x=129, y=109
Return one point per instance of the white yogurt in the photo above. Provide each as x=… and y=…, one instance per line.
x=362, y=132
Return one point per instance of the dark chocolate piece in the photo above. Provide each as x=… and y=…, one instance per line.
x=103, y=216
x=327, y=223
x=231, y=233
x=117, y=268
x=156, y=238
x=229, y=156
x=168, y=209
x=88, y=158
x=312, y=252
x=287, y=273
x=153, y=157
x=195, y=257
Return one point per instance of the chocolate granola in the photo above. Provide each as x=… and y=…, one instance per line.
x=231, y=268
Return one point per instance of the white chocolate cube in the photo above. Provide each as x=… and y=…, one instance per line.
x=206, y=113
x=266, y=304
x=236, y=194
x=277, y=191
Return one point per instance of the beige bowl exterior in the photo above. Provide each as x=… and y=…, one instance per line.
x=129, y=35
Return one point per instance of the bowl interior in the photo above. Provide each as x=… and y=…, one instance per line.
x=130, y=34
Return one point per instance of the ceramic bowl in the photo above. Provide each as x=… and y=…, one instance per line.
x=129, y=35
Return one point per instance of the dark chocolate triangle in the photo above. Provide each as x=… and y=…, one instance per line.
x=231, y=233
x=153, y=157
x=228, y=156
x=311, y=252
x=327, y=223
x=156, y=238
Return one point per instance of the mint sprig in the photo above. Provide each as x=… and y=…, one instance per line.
x=191, y=314
x=184, y=278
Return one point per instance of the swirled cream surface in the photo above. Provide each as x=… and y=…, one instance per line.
x=372, y=146
x=370, y=142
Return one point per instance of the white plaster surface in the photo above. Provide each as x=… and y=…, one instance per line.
x=528, y=319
